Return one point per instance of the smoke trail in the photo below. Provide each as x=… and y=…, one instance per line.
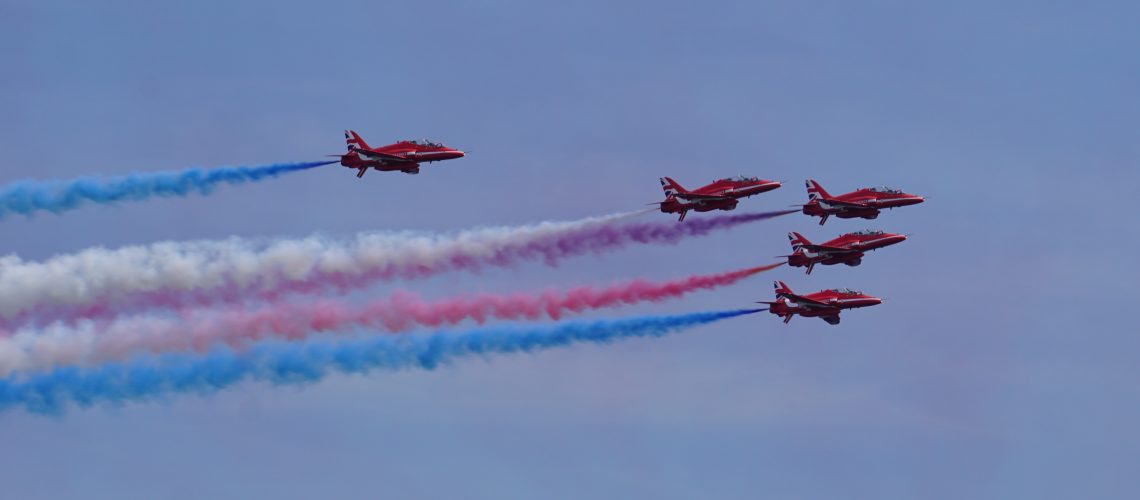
x=28, y=197
x=293, y=363
x=92, y=343
x=103, y=283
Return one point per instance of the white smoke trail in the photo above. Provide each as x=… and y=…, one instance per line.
x=106, y=278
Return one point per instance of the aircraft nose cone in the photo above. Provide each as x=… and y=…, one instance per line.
x=914, y=200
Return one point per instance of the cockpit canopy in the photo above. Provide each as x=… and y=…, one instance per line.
x=740, y=178
x=867, y=232
x=424, y=142
x=846, y=291
x=885, y=189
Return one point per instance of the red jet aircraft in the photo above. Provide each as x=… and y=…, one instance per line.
x=722, y=194
x=864, y=203
x=404, y=156
x=846, y=249
x=824, y=304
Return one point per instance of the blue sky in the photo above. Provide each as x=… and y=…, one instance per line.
x=1002, y=365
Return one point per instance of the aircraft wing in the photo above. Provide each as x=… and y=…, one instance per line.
x=829, y=249
x=804, y=301
x=844, y=204
x=705, y=197
x=375, y=155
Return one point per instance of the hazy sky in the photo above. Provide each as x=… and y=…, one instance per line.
x=1003, y=364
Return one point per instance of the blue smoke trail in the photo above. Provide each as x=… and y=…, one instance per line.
x=291, y=363
x=28, y=197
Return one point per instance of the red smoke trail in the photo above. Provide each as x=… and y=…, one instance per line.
x=200, y=330
x=405, y=310
x=133, y=280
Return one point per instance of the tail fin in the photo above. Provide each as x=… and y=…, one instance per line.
x=815, y=191
x=797, y=240
x=671, y=187
x=354, y=140
x=781, y=288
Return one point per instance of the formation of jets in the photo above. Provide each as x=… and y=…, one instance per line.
x=722, y=194
x=848, y=249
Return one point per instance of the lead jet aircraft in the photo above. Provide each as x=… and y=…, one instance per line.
x=824, y=304
x=846, y=249
x=722, y=194
x=863, y=203
x=404, y=156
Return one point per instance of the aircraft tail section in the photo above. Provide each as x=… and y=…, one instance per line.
x=673, y=206
x=798, y=241
x=671, y=187
x=782, y=288
x=354, y=140
x=816, y=191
